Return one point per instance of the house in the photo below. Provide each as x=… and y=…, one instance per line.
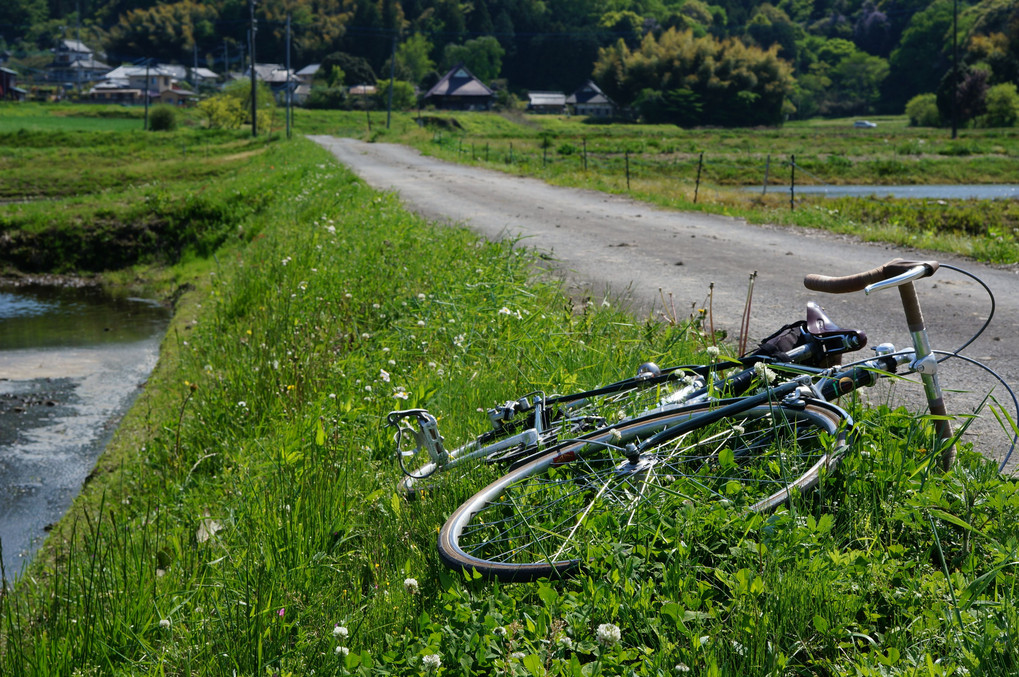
x=129, y=84
x=307, y=74
x=590, y=100
x=73, y=63
x=546, y=102
x=9, y=90
x=460, y=90
x=277, y=77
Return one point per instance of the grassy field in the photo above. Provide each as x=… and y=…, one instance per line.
x=245, y=519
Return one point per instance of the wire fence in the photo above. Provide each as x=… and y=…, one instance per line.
x=634, y=168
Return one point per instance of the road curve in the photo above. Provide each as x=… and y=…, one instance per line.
x=637, y=254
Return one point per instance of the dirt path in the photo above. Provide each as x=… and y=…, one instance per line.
x=635, y=253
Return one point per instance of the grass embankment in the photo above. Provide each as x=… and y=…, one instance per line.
x=663, y=163
x=248, y=507
x=87, y=201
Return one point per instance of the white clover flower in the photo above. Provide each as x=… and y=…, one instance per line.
x=566, y=642
x=421, y=297
x=764, y=373
x=738, y=429
x=519, y=655
x=385, y=349
x=499, y=631
x=411, y=586
x=713, y=351
x=609, y=634
x=682, y=668
x=421, y=323
x=432, y=661
x=366, y=336
x=615, y=435
x=384, y=375
x=242, y=404
x=164, y=623
x=340, y=632
x=342, y=651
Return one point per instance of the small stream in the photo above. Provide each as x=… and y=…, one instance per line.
x=932, y=192
x=72, y=361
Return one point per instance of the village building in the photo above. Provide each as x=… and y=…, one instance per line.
x=590, y=100
x=546, y=102
x=9, y=90
x=74, y=63
x=460, y=90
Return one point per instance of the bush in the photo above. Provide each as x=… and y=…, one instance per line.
x=404, y=97
x=163, y=119
x=1002, y=106
x=922, y=111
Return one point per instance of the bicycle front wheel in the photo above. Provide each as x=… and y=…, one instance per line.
x=538, y=520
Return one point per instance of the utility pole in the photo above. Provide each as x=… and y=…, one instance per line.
x=392, y=81
x=254, y=87
x=148, y=61
x=290, y=81
x=955, y=69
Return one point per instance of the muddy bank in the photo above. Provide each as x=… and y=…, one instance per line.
x=72, y=361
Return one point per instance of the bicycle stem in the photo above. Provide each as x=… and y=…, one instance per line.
x=927, y=366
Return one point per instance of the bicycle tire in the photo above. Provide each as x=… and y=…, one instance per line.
x=528, y=524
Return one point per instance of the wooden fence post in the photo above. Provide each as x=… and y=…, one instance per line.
x=767, y=168
x=627, y=170
x=792, y=183
x=585, y=153
x=697, y=185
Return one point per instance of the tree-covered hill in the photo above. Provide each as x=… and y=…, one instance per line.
x=842, y=57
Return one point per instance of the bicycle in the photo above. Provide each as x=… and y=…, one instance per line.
x=756, y=452
x=530, y=425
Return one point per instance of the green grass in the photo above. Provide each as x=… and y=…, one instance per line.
x=248, y=504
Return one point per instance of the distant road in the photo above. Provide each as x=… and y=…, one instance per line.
x=637, y=254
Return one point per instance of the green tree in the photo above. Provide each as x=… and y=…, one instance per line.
x=771, y=26
x=356, y=70
x=164, y=32
x=403, y=96
x=735, y=84
x=482, y=56
x=920, y=60
x=1002, y=106
x=412, y=60
x=922, y=111
x=858, y=80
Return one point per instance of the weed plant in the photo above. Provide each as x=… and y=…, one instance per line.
x=246, y=518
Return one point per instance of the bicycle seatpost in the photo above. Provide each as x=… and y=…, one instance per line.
x=901, y=273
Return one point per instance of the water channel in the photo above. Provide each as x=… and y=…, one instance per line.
x=72, y=360
x=932, y=192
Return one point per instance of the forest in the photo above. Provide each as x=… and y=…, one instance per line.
x=685, y=61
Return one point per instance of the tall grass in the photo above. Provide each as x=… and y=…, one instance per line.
x=248, y=507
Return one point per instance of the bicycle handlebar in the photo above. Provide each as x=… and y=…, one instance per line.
x=860, y=281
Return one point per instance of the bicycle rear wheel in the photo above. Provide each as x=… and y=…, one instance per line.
x=537, y=520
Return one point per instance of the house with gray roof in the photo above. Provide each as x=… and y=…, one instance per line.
x=590, y=100
x=460, y=90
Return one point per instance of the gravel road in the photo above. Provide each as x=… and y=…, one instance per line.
x=635, y=253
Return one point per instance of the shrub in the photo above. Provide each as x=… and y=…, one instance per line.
x=922, y=111
x=1002, y=106
x=163, y=119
